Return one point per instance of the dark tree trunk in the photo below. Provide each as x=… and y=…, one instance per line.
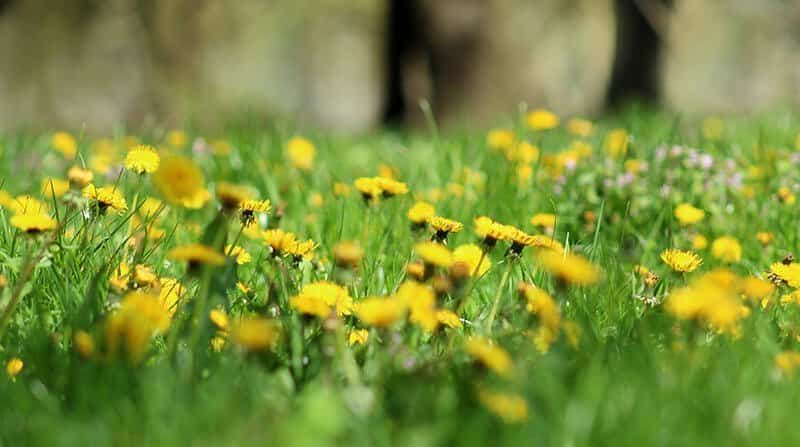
x=637, y=60
x=402, y=36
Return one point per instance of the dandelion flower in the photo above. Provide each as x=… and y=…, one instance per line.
x=688, y=215
x=232, y=196
x=580, y=127
x=443, y=226
x=358, y=337
x=546, y=220
x=434, y=254
x=33, y=223
x=83, y=343
x=390, y=187
x=541, y=119
x=53, y=187
x=142, y=159
x=181, y=182
x=570, y=268
x=348, y=254
x=65, y=143
x=681, y=260
x=500, y=139
x=616, y=143
x=197, y=254
x=14, y=367
x=471, y=255
x=368, y=187
x=420, y=212
x=255, y=333
x=239, y=253
x=490, y=355
x=490, y=231
x=79, y=177
x=330, y=294
x=220, y=319
x=764, y=237
x=279, y=241
x=301, y=153
x=380, y=312
x=787, y=362
x=699, y=242
x=726, y=249
x=310, y=305
x=106, y=198
x=786, y=273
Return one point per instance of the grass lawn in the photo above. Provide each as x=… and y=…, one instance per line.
x=626, y=281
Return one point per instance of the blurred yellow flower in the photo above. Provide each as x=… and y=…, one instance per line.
x=541, y=119
x=14, y=367
x=688, y=215
x=490, y=355
x=471, y=255
x=301, y=153
x=65, y=143
x=142, y=159
x=680, y=260
x=726, y=249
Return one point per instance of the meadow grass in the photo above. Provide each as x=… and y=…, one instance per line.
x=629, y=358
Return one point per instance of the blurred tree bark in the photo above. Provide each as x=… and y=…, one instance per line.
x=636, y=72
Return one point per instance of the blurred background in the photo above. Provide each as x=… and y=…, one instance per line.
x=353, y=65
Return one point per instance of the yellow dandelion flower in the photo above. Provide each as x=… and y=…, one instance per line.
x=348, y=254
x=541, y=119
x=220, y=319
x=368, y=187
x=681, y=260
x=310, y=305
x=787, y=362
x=106, y=198
x=358, y=337
x=83, y=343
x=420, y=212
x=239, y=253
x=546, y=220
x=616, y=143
x=443, y=226
x=255, y=333
x=390, y=187
x=699, y=242
x=197, y=254
x=569, y=268
x=279, y=241
x=434, y=254
x=541, y=304
x=448, y=318
x=176, y=138
x=764, y=237
x=181, y=182
x=330, y=294
x=79, y=177
x=14, y=367
x=65, y=143
x=170, y=293
x=25, y=204
x=726, y=249
x=341, y=189
x=301, y=153
x=302, y=250
x=380, y=312
x=688, y=215
x=579, y=127
x=33, y=223
x=471, y=255
x=144, y=276
x=756, y=288
x=500, y=139
x=490, y=355
x=511, y=408
x=53, y=187
x=491, y=231
x=786, y=273
x=139, y=317
x=142, y=159
x=231, y=196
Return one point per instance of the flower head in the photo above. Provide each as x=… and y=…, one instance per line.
x=569, y=268
x=105, y=198
x=33, y=223
x=380, y=312
x=726, y=249
x=434, y=254
x=683, y=261
x=301, y=153
x=490, y=355
x=541, y=119
x=255, y=333
x=231, y=196
x=197, y=254
x=471, y=255
x=420, y=212
x=688, y=215
x=142, y=159
x=249, y=208
x=181, y=182
x=65, y=143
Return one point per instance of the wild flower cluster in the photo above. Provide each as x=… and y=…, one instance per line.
x=465, y=261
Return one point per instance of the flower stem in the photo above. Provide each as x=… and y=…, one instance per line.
x=497, y=295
